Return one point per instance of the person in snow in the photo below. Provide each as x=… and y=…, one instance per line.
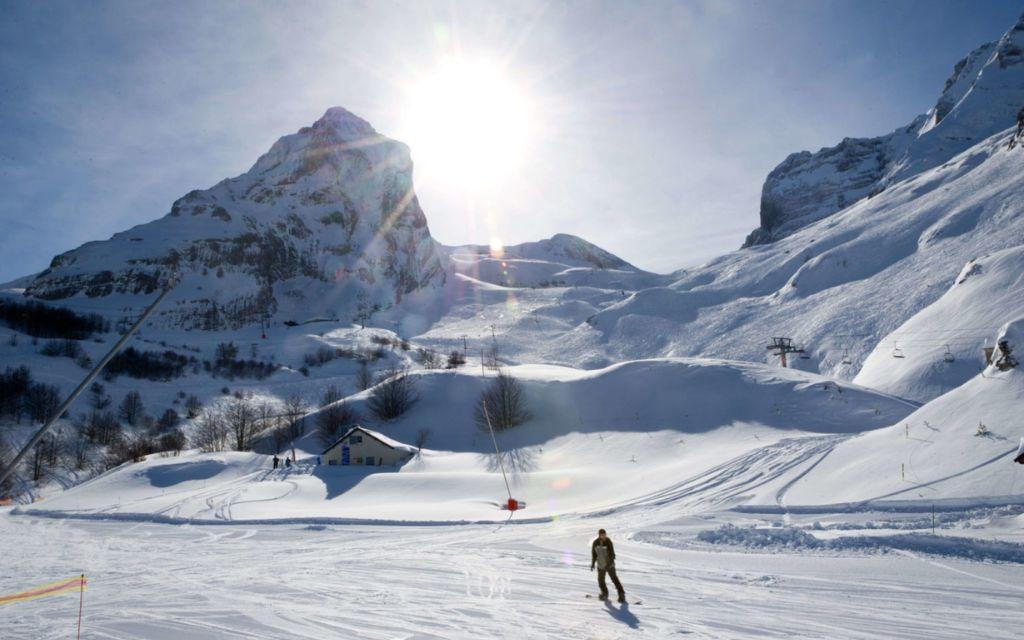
x=277, y=461
x=602, y=555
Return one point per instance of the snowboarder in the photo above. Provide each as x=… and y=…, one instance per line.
x=277, y=461
x=602, y=554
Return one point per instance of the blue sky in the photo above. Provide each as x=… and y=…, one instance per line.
x=659, y=120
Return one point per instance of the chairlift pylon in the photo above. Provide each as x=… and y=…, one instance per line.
x=846, y=357
x=948, y=356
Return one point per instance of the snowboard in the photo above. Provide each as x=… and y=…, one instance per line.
x=611, y=600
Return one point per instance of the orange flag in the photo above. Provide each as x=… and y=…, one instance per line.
x=70, y=585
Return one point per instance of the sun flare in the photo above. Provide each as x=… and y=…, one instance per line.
x=467, y=123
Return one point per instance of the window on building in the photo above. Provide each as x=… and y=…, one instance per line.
x=370, y=461
x=359, y=460
x=355, y=439
x=332, y=462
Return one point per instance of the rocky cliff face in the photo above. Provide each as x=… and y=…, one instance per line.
x=325, y=223
x=980, y=98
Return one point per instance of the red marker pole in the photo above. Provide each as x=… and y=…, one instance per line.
x=81, y=600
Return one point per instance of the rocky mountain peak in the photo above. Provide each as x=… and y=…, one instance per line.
x=325, y=223
x=980, y=99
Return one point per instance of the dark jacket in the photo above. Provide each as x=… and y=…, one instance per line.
x=607, y=554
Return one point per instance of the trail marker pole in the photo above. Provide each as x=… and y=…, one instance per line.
x=81, y=601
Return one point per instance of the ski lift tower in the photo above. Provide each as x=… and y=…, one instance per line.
x=782, y=346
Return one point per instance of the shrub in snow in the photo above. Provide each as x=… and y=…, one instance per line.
x=211, y=432
x=131, y=408
x=428, y=358
x=505, y=400
x=193, y=406
x=42, y=321
x=364, y=377
x=62, y=348
x=394, y=393
x=335, y=416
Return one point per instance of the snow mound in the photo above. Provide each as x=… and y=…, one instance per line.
x=790, y=539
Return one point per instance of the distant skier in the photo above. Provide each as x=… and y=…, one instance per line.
x=602, y=554
x=287, y=462
x=277, y=461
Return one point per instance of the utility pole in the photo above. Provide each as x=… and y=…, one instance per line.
x=781, y=346
x=465, y=347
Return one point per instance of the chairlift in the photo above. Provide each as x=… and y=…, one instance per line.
x=846, y=357
x=897, y=352
x=948, y=356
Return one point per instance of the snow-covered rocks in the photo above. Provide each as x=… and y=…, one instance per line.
x=325, y=223
x=980, y=98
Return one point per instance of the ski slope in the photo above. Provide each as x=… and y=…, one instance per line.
x=475, y=581
x=638, y=422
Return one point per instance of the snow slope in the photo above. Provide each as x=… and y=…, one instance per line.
x=980, y=98
x=598, y=440
x=935, y=453
x=942, y=344
x=837, y=286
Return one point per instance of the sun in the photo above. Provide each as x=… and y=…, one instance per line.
x=467, y=123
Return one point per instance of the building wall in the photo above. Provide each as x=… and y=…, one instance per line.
x=360, y=452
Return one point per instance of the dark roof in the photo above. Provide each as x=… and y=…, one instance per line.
x=379, y=437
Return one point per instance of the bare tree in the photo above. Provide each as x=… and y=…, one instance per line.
x=428, y=358
x=490, y=356
x=241, y=418
x=295, y=424
x=335, y=416
x=393, y=394
x=7, y=485
x=102, y=427
x=44, y=456
x=211, y=432
x=364, y=377
x=41, y=401
x=131, y=408
x=421, y=439
x=505, y=399
x=173, y=441
x=80, y=450
x=98, y=398
x=280, y=438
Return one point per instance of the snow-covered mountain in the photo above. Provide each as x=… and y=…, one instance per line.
x=979, y=99
x=325, y=223
x=839, y=271
x=326, y=226
x=557, y=261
